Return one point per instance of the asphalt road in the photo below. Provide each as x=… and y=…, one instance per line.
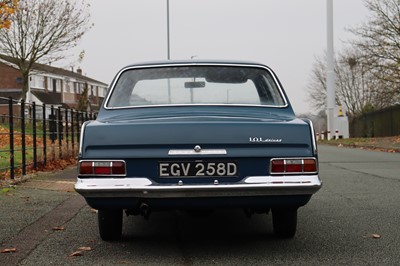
x=353, y=220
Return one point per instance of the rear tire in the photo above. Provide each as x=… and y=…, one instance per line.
x=110, y=224
x=284, y=222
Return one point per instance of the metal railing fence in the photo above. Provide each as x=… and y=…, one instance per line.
x=33, y=135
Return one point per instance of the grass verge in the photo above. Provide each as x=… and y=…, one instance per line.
x=386, y=144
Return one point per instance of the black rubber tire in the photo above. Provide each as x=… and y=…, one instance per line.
x=110, y=224
x=284, y=222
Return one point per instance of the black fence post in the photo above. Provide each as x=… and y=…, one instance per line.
x=77, y=126
x=60, y=132
x=11, y=131
x=34, y=135
x=44, y=135
x=52, y=125
x=52, y=128
x=72, y=130
x=23, y=136
x=391, y=122
x=66, y=130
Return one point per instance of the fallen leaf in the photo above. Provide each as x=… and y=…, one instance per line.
x=85, y=248
x=8, y=250
x=76, y=253
x=376, y=236
x=6, y=190
x=58, y=228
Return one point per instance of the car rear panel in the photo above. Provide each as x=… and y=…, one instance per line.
x=249, y=144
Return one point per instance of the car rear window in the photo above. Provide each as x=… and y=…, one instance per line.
x=195, y=85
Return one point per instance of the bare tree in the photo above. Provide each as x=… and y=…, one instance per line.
x=357, y=88
x=42, y=31
x=379, y=41
x=317, y=85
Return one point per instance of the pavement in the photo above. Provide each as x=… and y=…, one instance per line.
x=63, y=180
x=34, y=209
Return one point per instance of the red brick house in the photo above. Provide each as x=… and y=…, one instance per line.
x=49, y=85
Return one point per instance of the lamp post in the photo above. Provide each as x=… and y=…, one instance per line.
x=330, y=73
x=168, y=49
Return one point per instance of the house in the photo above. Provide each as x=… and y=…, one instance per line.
x=50, y=85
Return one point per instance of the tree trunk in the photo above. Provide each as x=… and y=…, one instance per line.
x=25, y=86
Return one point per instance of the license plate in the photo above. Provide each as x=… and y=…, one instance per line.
x=197, y=169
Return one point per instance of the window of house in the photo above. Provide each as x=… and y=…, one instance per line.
x=93, y=90
x=58, y=83
x=77, y=87
x=55, y=85
x=37, y=82
x=67, y=85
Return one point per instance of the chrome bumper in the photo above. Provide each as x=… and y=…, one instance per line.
x=145, y=188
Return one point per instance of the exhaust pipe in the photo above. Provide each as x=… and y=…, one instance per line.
x=144, y=209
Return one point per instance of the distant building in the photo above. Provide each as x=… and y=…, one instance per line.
x=50, y=85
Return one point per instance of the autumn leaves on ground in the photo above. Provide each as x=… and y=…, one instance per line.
x=53, y=161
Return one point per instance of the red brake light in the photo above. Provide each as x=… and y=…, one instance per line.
x=86, y=168
x=293, y=166
x=310, y=165
x=277, y=166
x=103, y=168
x=118, y=168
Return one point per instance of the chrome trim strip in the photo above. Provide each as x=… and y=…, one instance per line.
x=202, y=152
x=144, y=188
x=198, y=104
x=80, y=151
x=313, y=136
x=166, y=65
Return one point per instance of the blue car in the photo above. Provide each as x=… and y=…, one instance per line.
x=197, y=135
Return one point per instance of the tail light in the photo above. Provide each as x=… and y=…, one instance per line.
x=102, y=168
x=294, y=166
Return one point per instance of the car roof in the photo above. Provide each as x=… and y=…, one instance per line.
x=194, y=62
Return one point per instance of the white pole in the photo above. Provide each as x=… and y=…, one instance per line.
x=168, y=49
x=330, y=73
x=168, y=52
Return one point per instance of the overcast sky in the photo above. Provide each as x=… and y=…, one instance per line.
x=283, y=34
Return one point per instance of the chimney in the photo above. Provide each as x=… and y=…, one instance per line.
x=79, y=71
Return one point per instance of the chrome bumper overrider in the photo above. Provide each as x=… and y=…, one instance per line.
x=145, y=188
